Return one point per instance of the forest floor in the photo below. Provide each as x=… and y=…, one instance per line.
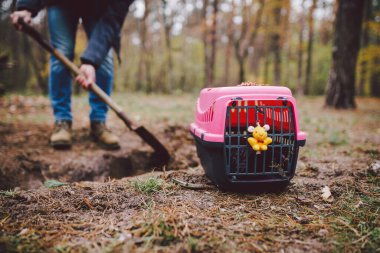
x=113, y=202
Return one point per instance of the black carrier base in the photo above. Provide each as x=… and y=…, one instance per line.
x=212, y=157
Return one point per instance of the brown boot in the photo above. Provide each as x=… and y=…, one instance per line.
x=61, y=136
x=104, y=136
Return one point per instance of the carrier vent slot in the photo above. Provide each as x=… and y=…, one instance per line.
x=241, y=161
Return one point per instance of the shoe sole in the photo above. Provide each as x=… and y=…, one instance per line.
x=105, y=146
x=108, y=147
x=61, y=145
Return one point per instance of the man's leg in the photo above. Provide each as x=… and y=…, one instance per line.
x=99, y=109
x=62, y=26
x=104, y=78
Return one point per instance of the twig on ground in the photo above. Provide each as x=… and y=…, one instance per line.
x=348, y=226
x=190, y=185
x=88, y=203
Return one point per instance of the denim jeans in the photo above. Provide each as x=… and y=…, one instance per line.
x=63, y=24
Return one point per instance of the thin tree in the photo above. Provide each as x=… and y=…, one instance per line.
x=340, y=91
x=144, y=66
x=214, y=24
x=375, y=73
x=209, y=41
x=276, y=41
x=247, y=36
x=364, y=44
x=205, y=42
x=310, y=41
x=300, y=90
x=167, y=26
x=230, y=36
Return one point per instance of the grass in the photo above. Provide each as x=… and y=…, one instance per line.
x=340, y=146
x=148, y=186
x=337, y=138
x=51, y=183
x=355, y=218
x=144, y=108
x=62, y=249
x=27, y=242
x=9, y=193
x=157, y=228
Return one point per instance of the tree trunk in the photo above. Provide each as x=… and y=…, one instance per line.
x=247, y=38
x=205, y=43
x=341, y=84
x=276, y=47
x=364, y=44
x=227, y=63
x=169, y=58
x=375, y=73
x=309, y=47
x=37, y=66
x=375, y=79
x=143, y=73
x=266, y=67
x=300, y=90
x=241, y=70
x=211, y=74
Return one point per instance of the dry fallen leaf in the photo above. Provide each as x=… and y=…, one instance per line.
x=326, y=194
x=23, y=231
x=359, y=204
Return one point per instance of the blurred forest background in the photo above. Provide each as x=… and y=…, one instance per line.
x=173, y=46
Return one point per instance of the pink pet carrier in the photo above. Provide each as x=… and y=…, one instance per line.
x=222, y=118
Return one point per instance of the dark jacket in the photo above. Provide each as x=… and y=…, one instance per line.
x=107, y=31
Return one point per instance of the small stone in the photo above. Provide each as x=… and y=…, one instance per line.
x=323, y=232
x=359, y=204
x=304, y=220
x=374, y=168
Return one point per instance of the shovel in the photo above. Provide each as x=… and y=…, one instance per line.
x=161, y=153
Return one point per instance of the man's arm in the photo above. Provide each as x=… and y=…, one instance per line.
x=25, y=9
x=106, y=33
x=33, y=6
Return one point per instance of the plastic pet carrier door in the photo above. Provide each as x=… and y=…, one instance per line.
x=247, y=138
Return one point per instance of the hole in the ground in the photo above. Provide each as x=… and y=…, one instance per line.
x=31, y=167
x=82, y=168
x=121, y=167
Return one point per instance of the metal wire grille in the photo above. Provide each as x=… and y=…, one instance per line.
x=241, y=161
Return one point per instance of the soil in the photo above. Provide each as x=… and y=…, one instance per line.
x=28, y=160
x=101, y=209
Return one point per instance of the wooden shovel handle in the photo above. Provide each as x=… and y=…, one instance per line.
x=75, y=70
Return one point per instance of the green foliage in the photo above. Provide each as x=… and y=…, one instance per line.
x=149, y=186
x=9, y=193
x=179, y=67
x=321, y=68
x=51, y=183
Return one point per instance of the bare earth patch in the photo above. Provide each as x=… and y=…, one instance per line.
x=112, y=202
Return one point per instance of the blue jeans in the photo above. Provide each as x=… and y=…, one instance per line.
x=63, y=24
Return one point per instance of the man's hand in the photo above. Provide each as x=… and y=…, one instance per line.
x=87, y=77
x=25, y=15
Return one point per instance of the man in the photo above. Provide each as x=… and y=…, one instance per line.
x=102, y=21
